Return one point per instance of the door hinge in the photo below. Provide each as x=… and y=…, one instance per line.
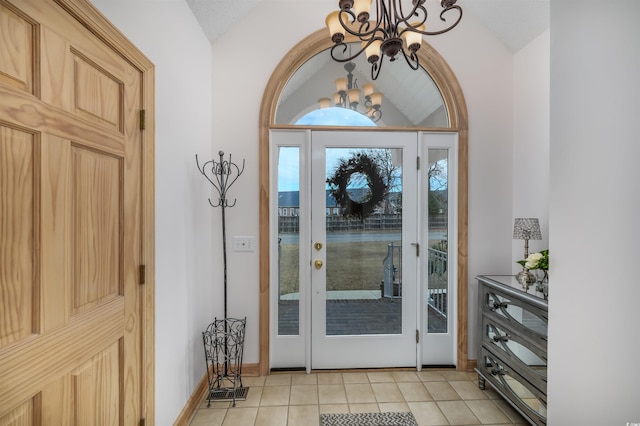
x=417, y=337
x=143, y=119
x=142, y=422
x=142, y=274
x=418, y=163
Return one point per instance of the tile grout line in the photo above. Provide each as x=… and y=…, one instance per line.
x=349, y=405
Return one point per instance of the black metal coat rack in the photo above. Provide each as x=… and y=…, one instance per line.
x=222, y=175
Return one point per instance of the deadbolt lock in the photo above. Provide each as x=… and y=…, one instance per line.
x=318, y=246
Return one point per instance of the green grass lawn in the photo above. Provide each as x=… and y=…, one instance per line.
x=350, y=266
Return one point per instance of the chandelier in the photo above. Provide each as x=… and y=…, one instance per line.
x=392, y=32
x=347, y=95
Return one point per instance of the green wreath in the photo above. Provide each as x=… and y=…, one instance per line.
x=361, y=163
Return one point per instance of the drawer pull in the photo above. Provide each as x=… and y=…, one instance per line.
x=504, y=338
x=497, y=305
x=498, y=371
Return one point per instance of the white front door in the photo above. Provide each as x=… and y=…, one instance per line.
x=348, y=289
x=363, y=255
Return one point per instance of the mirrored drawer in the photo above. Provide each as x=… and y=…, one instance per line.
x=510, y=384
x=528, y=319
x=530, y=360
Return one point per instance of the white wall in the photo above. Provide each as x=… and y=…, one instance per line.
x=531, y=141
x=484, y=68
x=208, y=98
x=187, y=277
x=594, y=338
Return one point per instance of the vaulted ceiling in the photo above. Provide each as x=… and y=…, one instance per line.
x=515, y=22
x=407, y=95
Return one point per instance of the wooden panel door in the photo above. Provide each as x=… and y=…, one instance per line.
x=72, y=310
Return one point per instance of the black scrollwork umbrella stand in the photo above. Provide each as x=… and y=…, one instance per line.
x=223, y=339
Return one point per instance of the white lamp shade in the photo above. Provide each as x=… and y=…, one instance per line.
x=333, y=23
x=376, y=98
x=360, y=6
x=368, y=88
x=341, y=84
x=412, y=37
x=373, y=49
x=324, y=102
x=353, y=95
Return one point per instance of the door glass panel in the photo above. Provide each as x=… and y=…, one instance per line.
x=438, y=249
x=288, y=241
x=363, y=241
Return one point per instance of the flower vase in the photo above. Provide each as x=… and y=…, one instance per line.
x=542, y=284
x=526, y=278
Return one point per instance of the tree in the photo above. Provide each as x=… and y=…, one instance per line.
x=437, y=181
x=392, y=176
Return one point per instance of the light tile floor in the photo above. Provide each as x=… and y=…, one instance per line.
x=435, y=397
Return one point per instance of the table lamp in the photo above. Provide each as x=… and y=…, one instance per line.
x=526, y=229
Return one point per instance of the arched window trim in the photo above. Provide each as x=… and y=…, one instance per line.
x=454, y=101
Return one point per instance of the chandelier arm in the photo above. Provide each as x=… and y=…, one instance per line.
x=376, y=67
x=374, y=114
x=400, y=17
x=344, y=49
x=442, y=18
x=363, y=31
x=412, y=24
x=346, y=24
x=412, y=60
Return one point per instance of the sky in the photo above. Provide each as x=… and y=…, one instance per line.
x=289, y=165
x=288, y=169
x=289, y=161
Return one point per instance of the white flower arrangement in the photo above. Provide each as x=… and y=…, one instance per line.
x=536, y=261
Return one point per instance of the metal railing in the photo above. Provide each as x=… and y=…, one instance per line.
x=437, y=299
x=438, y=280
x=392, y=280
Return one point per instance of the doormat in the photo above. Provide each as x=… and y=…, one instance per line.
x=226, y=394
x=368, y=419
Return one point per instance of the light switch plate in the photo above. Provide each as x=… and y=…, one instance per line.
x=241, y=243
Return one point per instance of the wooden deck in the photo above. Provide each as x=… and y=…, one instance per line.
x=356, y=316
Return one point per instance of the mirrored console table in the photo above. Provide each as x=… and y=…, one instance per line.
x=512, y=344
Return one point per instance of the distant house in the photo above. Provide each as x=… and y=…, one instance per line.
x=289, y=202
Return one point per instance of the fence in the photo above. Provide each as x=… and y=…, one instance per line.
x=378, y=221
